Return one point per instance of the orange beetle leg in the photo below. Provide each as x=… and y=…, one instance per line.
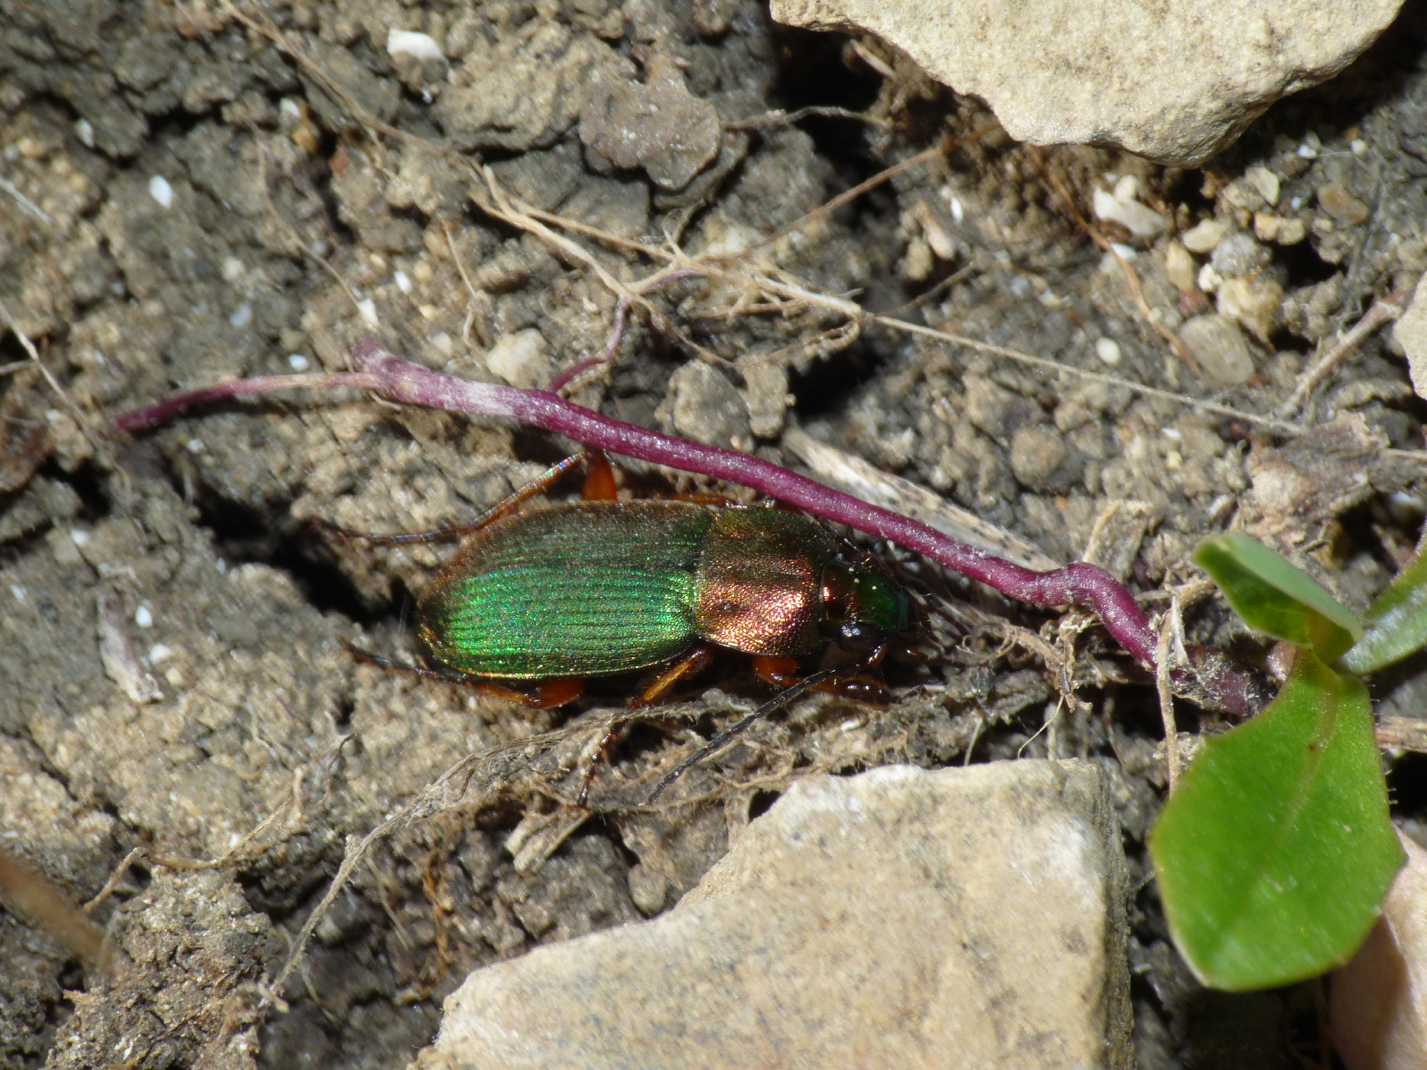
x=599, y=478
x=544, y=695
x=782, y=672
x=776, y=670
x=696, y=660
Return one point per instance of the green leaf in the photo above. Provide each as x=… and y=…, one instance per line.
x=1275, y=851
x=1277, y=597
x=1397, y=621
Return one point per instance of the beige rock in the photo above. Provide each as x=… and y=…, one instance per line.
x=1410, y=332
x=1379, y=999
x=969, y=917
x=1175, y=82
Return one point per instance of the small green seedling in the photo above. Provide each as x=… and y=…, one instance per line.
x=1276, y=850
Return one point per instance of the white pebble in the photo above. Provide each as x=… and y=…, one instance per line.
x=161, y=191
x=232, y=269
x=159, y=652
x=1108, y=350
x=84, y=130
x=297, y=362
x=242, y=315
x=368, y=308
x=1359, y=147
x=411, y=43
x=193, y=445
x=79, y=537
x=403, y=282
x=144, y=617
x=289, y=110
x=19, y=593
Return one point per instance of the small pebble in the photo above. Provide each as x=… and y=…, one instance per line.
x=158, y=653
x=1036, y=454
x=144, y=617
x=521, y=358
x=1179, y=266
x=1219, y=348
x=411, y=43
x=161, y=191
x=403, y=282
x=1238, y=254
x=1292, y=231
x=1121, y=206
x=368, y=308
x=1265, y=181
x=1266, y=226
x=1205, y=235
x=1342, y=205
x=1108, y=350
x=84, y=130
x=242, y=315
x=79, y=537
x=1253, y=302
x=297, y=362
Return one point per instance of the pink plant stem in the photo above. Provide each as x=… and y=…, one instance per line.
x=406, y=383
x=1077, y=584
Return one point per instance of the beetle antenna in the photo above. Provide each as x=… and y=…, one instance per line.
x=773, y=705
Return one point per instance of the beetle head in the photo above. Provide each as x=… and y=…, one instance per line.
x=861, y=607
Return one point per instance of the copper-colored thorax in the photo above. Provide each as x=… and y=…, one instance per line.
x=759, y=581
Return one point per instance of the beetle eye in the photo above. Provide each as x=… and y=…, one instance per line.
x=856, y=633
x=836, y=593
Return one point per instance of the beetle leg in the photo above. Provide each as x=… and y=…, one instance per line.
x=545, y=695
x=599, y=478
x=778, y=671
x=548, y=694
x=707, y=499
x=696, y=660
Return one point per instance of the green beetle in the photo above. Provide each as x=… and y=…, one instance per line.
x=537, y=600
x=593, y=588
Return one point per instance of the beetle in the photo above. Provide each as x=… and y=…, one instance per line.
x=537, y=600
